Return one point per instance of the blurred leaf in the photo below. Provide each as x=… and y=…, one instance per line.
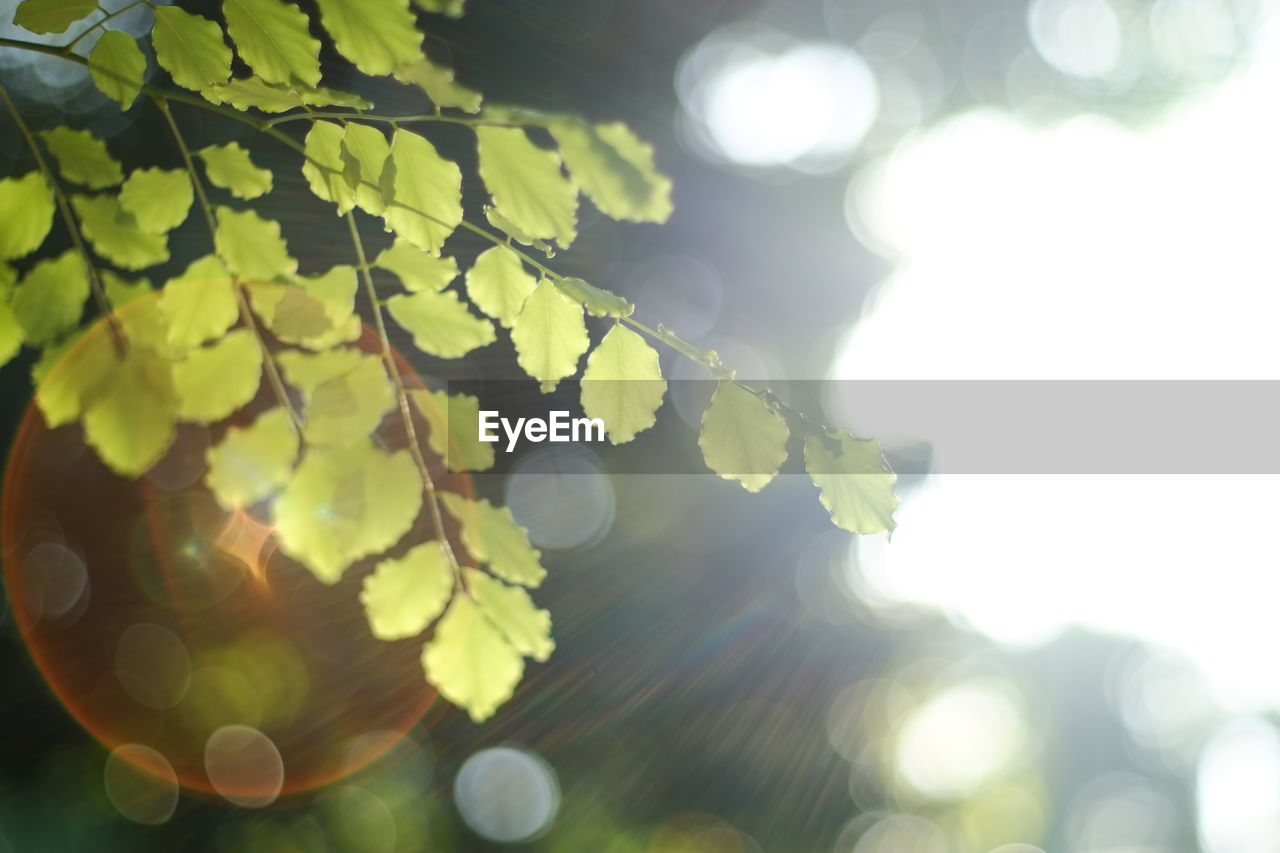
x=251, y=246
x=440, y=323
x=158, y=199
x=527, y=628
x=452, y=8
x=307, y=371
x=426, y=202
x=614, y=168
x=229, y=166
x=742, y=438
x=191, y=48
x=497, y=220
x=527, y=186
x=251, y=463
x=403, y=595
x=122, y=291
x=26, y=209
x=470, y=662
x=598, y=301
x=83, y=158
x=623, y=384
x=200, y=304
x=439, y=85
x=49, y=300
x=855, y=484
x=131, y=424
x=116, y=235
x=73, y=374
x=52, y=16
x=416, y=269
x=349, y=407
x=493, y=537
x=549, y=334
x=376, y=35
x=274, y=39
x=255, y=93
x=323, y=167
x=452, y=429
x=216, y=381
x=117, y=65
x=365, y=155
x=498, y=284
x=10, y=334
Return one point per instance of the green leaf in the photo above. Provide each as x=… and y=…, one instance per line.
x=451, y=429
x=365, y=154
x=323, y=167
x=854, y=483
x=117, y=65
x=122, y=291
x=349, y=407
x=251, y=463
x=131, y=423
x=70, y=376
x=345, y=503
x=527, y=186
x=426, y=202
x=8, y=279
x=251, y=246
x=439, y=85
x=452, y=8
x=376, y=35
x=158, y=199
x=623, y=384
x=316, y=313
x=52, y=16
x=83, y=158
x=497, y=220
x=228, y=166
x=549, y=334
x=527, y=628
x=191, y=48
x=49, y=300
x=307, y=371
x=493, y=537
x=614, y=168
x=498, y=284
x=10, y=334
x=470, y=662
x=200, y=304
x=255, y=93
x=440, y=323
x=743, y=438
x=273, y=38
x=116, y=235
x=214, y=382
x=598, y=301
x=26, y=209
x=403, y=595
x=416, y=269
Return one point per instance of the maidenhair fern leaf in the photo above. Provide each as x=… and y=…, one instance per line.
x=549, y=334
x=498, y=284
x=83, y=158
x=623, y=384
x=527, y=185
x=251, y=463
x=230, y=167
x=854, y=483
x=191, y=48
x=274, y=40
x=251, y=246
x=451, y=429
x=158, y=199
x=440, y=323
x=117, y=65
x=26, y=209
x=403, y=595
x=47, y=303
x=743, y=438
x=493, y=537
x=214, y=382
x=376, y=35
x=527, y=628
x=425, y=205
x=470, y=662
x=116, y=234
x=52, y=16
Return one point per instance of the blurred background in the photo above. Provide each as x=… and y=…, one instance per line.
x=865, y=189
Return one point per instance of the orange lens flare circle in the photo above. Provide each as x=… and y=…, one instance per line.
x=259, y=681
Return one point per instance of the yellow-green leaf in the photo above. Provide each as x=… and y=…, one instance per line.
x=273, y=38
x=452, y=8
x=349, y=407
x=191, y=48
x=122, y=291
x=623, y=384
x=10, y=334
x=598, y=301
x=440, y=323
x=314, y=312
x=345, y=503
x=452, y=421
x=614, y=168
x=200, y=304
x=229, y=166
x=854, y=483
x=131, y=423
x=376, y=35
x=71, y=375
x=323, y=167
x=438, y=84
x=426, y=202
x=116, y=234
x=492, y=536
x=49, y=300
x=470, y=662
x=83, y=158
x=549, y=334
x=365, y=153
x=255, y=93
x=116, y=65
x=416, y=269
x=251, y=463
x=251, y=246
x=498, y=284
x=216, y=381
x=26, y=209
x=743, y=438
x=404, y=594
x=527, y=628
x=158, y=199
x=52, y=16
x=527, y=185
x=307, y=371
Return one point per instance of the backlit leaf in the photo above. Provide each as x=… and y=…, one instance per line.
x=49, y=300
x=526, y=627
x=527, y=185
x=251, y=246
x=345, y=503
x=452, y=8
x=549, y=334
x=614, y=168
x=623, y=384
x=116, y=235
x=365, y=154
x=73, y=374
x=52, y=16
x=26, y=209
x=83, y=158
x=216, y=381
x=440, y=323
x=315, y=312
x=426, y=202
x=498, y=284
x=10, y=334
x=116, y=65
x=742, y=438
x=228, y=166
x=470, y=662
x=307, y=371
x=122, y=291
x=404, y=594
x=273, y=38
x=191, y=48
x=416, y=269
x=158, y=199
x=323, y=167
x=255, y=93
x=349, y=407
x=376, y=35
x=452, y=421
x=131, y=423
x=598, y=301
x=493, y=537
x=251, y=463
x=439, y=85
x=200, y=304
x=854, y=483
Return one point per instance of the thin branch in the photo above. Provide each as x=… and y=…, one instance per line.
x=75, y=41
